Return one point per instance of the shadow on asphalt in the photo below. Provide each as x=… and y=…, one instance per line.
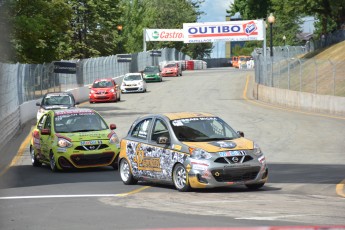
x=27, y=175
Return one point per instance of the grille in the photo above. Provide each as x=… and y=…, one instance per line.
x=91, y=147
x=132, y=89
x=101, y=93
x=92, y=159
x=236, y=174
x=233, y=160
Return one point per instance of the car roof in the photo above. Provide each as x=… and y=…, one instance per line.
x=183, y=115
x=103, y=79
x=133, y=74
x=59, y=94
x=73, y=111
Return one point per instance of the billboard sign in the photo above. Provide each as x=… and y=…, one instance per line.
x=250, y=30
x=124, y=57
x=152, y=35
x=65, y=67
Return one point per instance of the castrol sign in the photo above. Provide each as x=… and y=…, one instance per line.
x=223, y=31
x=163, y=35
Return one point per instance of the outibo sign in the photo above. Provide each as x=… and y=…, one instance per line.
x=163, y=35
x=65, y=67
x=223, y=31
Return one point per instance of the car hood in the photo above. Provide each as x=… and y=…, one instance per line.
x=54, y=107
x=86, y=136
x=132, y=82
x=169, y=69
x=218, y=146
x=101, y=89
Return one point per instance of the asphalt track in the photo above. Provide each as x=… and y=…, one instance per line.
x=305, y=153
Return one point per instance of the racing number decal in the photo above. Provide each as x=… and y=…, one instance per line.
x=146, y=163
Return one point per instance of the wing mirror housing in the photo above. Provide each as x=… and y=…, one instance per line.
x=112, y=126
x=240, y=133
x=163, y=140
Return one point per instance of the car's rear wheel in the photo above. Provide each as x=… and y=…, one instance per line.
x=180, y=178
x=255, y=186
x=52, y=162
x=35, y=162
x=126, y=173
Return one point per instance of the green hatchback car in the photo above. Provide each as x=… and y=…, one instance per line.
x=74, y=138
x=152, y=73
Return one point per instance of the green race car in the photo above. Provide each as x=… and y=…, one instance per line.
x=74, y=138
x=152, y=73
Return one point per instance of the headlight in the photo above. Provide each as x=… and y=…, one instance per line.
x=140, y=83
x=199, y=154
x=112, y=91
x=63, y=143
x=257, y=150
x=92, y=91
x=113, y=139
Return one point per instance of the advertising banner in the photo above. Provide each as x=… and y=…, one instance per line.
x=152, y=35
x=250, y=30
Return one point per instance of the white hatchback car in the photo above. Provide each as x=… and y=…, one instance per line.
x=133, y=82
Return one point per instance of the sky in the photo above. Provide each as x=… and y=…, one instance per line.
x=215, y=11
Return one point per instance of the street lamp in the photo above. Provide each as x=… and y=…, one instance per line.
x=271, y=20
x=284, y=39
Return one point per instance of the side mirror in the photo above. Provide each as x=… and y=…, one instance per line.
x=90, y=86
x=112, y=126
x=163, y=140
x=45, y=131
x=38, y=104
x=240, y=133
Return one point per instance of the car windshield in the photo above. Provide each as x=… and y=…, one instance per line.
x=102, y=84
x=170, y=66
x=151, y=69
x=200, y=129
x=58, y=100
x=132, y=78
x=70, y=122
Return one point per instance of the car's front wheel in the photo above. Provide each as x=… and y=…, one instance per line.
x=35, y=162
x=255, y=186
x=126, y=173
x=180, y=178
x=52, y=162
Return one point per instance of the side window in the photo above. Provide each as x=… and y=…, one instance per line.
x=41, y=122
x=47, y=124
x=160, y=129
x=141, y=130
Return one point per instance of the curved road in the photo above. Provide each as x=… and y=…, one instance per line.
x=305, y=153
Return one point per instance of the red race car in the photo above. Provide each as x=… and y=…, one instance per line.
x=171, y=69
x=104, y=90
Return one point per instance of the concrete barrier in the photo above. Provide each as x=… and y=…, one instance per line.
x=333, y=105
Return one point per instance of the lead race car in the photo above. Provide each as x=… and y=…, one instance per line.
x=190, y=150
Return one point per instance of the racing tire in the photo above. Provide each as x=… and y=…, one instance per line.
x=180, y=178
x=255, y=186
x=52, y=162
x=35, y=162
x=126, y=173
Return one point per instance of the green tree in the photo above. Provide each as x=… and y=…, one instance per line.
x=93, y=26
x=40, y=30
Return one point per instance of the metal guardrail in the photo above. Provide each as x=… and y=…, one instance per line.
x=20, y=83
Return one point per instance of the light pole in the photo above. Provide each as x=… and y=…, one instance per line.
x=284, y=39
x=271, y=20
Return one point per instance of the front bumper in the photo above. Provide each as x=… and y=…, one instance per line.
x=169, y=74
x=76, y=158
x=132, y=89
x=102, y=97
x=219, y=175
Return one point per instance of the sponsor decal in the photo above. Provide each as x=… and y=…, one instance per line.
x=164, y=35
x=262, y=159
x=92, y=142
x=61, y=150
x=232, y=153
x=177, y=147
x=198, y=165
x=224, y=144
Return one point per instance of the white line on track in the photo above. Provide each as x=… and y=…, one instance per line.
x=268, y=217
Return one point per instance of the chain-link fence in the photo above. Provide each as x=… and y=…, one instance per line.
x=312, y=75
x=20, y=83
